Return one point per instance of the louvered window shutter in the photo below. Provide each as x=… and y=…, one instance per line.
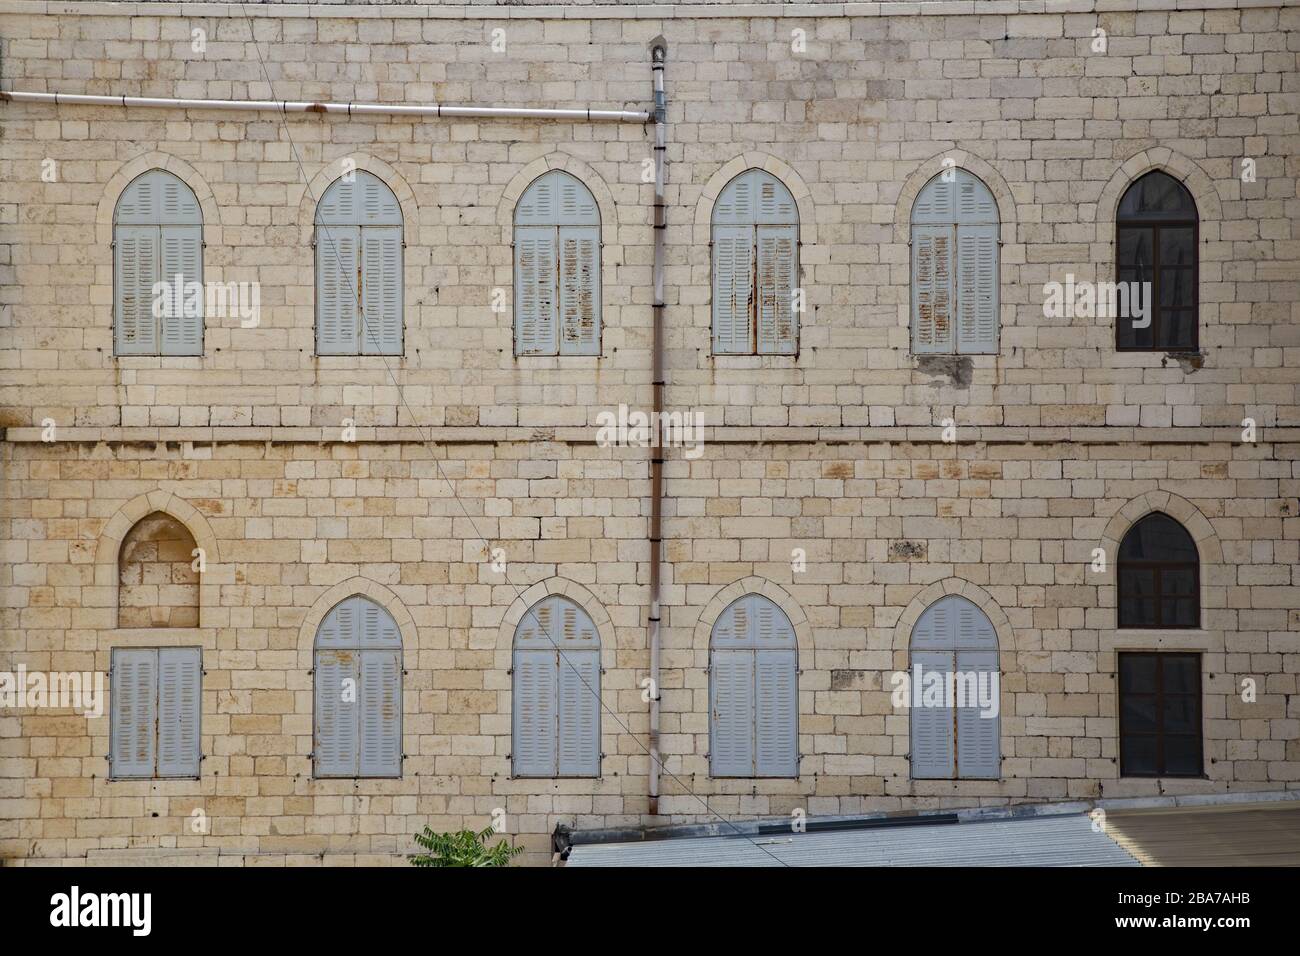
x=136, y=260
x=182, y=264
x=336, y=744
x=776, y=720
x=732, y=709
x=534, y=731
x=381, y=290
x=977, y=289
x=381, y=713
x=134, y=713
x=180, y=679
x=337, y=279
x=535, y=292
x=978, y=746
x=932, y=289
x=932, y=727
x=579, y=290
x=579, y=713
x=733, y=290
x=778, y=323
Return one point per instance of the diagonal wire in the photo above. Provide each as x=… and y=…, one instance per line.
x=415, y=420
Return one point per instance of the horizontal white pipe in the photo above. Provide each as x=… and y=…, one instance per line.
x=292, y=106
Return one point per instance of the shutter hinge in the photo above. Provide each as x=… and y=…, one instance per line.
x=510, y=672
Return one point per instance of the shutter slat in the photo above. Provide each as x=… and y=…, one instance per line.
x=932, y=289
x=535, y=291
x=777, y=719
x=777, y=268
x=381, y=290
x=137, y=266
x=731, y=683
x=180, y=678
x=977, y=289
x=337, y=289
x=733, y=290
x=181, y=265
x=579, y=290
x=134, y=713
x=381, y=713
x=978, y=744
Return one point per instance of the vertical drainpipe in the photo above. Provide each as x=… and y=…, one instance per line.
x=658, y=53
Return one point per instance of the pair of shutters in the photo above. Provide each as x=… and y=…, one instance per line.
x=155, y=712
x=955, y=267
x=557, y=268
x=358, y=290
x=556, y=689
x=755, y=267
x=158, y=241
x=358, y=681
x=753, y=692
x=953, y=636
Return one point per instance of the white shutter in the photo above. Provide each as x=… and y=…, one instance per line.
x=978, y=746
x=778, y=322
x=977, y=289
x=133, y=712
x=381, y=713
x=182, y=264
x=381, y=290
x=336, y=743
x=180, y=681
x=932, y=726
x=535, y=292
x=136, y=263
x=932, y=289
x=777, y=718
x=579, y=290
x=337, y=288
x=733, y=290
x=533, y=736
x=936, y=203
x=974, y=202
x=579, y=713
x=732, y=713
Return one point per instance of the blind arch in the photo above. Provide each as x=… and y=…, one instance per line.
x=557, y=260
x=755, y=229
x=357, y=726
x=158, y=297
x=555, y=692
x=753, y=691
x=359, y=238
x=955, y=266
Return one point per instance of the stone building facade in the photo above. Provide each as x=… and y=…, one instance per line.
x=827, y=480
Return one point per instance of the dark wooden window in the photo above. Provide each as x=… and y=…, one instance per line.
x=1158, y=574
x=1156, y=242
x=1160, y=715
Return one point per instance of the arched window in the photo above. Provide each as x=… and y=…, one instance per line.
x=1156, y=242
x=1158, y=575
x=753, y=692
x=358, y=268
x=955, y=644
x=955, y=266
x=158, y=268
x=158, y=585
x=557, y=268
x=755, y=267
x=556, y=692
x=358, y=692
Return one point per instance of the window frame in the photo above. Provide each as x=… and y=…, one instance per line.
x=113, y=720
x=1157, y=595
x=1154, y=225
x=1158, y=696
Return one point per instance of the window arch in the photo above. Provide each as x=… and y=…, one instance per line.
x=1156, y=242
x=158, y=585
x=358, y=692
x=359, y=278
x=753, y=691
x=157, y=237
x=1158, y=575
x=555, y=691
x=955, y=266
x=755, y=267
x=557, y=268
x=955, y=639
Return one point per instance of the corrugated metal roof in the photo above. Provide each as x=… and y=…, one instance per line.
x=1061, y=840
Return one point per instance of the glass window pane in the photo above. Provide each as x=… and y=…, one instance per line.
x=1138, y=714
x=1179, y=715
x=1138, y=755
x=1158, y=537
x=1177, y=582
x=1137, y=673
x=1175, y=286
x=1177, y=247
x=1182, y=674
x=1183, y=755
